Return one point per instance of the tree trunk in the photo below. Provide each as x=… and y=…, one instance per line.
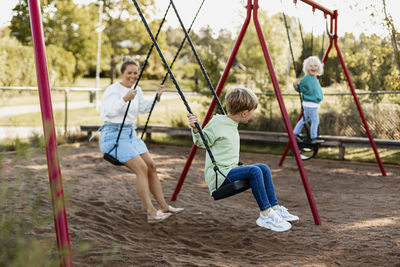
x=112, y=68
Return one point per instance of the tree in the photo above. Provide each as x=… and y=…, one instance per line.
x=18, y=63
x=124, y=32
x=394, y=35
x=20, y=23
x=65, y=24
x=72, y=27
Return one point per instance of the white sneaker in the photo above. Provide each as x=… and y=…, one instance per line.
x=273, y=221
x=283, y=212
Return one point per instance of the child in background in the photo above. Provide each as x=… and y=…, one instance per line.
x=312, y=95
x=223, y=138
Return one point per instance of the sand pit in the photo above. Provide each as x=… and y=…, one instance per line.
x=359, y=210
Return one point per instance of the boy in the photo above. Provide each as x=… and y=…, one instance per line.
x=223, y=138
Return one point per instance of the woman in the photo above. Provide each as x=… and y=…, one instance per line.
x=132, y=151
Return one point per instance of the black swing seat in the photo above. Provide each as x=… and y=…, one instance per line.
x=111, y=159
x=308, y=150
x=231, y=189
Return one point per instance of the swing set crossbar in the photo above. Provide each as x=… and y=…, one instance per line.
x=318, y=6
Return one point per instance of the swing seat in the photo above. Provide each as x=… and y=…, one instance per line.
x=231, y=189
x=307, y=149
x=111, y=159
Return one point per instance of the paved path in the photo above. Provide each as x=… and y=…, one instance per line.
x=24, y=132
x=27, y=131
x=15, y=110
x=21, y=109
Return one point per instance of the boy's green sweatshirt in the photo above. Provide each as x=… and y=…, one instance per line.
x=222, y=136
x=310, y=88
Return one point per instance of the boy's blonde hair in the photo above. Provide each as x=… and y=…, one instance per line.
x=313, y=60
x=240, y=99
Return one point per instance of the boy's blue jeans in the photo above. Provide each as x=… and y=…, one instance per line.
x=309, y=114
x=261, y=183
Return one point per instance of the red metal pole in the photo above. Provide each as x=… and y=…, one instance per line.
x=318, y=6
x=213, y=102
x=53, y=164
x=285, y=116
x=330, y=40
x=287, y=145
x=346, y=72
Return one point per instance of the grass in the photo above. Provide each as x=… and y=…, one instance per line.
x=23, y=211
x=26, y=219
x=8, y=99
x=186, y=85
x=173, y=112
x=17, y=98
x=167, y=112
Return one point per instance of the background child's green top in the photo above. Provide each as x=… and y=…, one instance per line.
x=222, y=136
x=311, y=89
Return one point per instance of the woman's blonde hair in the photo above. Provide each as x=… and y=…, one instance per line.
x=313, y=60
x=240, y=99
x=127, y=60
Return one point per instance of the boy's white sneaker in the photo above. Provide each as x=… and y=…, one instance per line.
x=284, y=213
x=273, y=221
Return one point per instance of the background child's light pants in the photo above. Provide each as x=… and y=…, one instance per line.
x=309, y=114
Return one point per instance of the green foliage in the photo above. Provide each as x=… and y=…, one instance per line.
x=74, y=31
x=61, y=65
x=65, y=25
x=16, y=72
x=20, y=24
x=17, y=62
x=124, y=34
x=22, y=214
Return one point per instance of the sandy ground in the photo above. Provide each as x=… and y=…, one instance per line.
x=359, y=210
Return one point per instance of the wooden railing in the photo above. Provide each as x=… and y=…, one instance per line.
x=276, y=137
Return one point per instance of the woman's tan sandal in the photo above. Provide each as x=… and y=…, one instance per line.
x=158, y=217
x=172, y=210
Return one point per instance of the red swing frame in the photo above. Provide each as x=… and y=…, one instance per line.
x=252, y=7
x=333, y=38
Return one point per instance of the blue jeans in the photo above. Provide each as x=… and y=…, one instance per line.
x=308, y=114
x=261, y=183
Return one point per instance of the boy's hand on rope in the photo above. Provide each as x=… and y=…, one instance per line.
x=130, y=95
x=160, y=89
x=297, y=82
x=192, y=119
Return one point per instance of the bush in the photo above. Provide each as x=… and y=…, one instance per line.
x=18, y=64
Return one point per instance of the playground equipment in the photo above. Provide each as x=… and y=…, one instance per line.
x=53, y=164
x=333, y=38
x=60, y=220
x=234, y=187
x=252, y=8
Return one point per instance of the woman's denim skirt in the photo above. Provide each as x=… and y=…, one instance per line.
x=129, y=145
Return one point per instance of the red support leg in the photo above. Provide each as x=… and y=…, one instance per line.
x=346, y=72
x=289, y=130
x=323, y=61
x=213, y=102
x=53, y=164
x=287, y=146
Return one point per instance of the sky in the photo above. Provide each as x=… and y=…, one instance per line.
x=229, y=14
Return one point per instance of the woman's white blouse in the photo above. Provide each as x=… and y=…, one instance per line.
x=113, y=106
